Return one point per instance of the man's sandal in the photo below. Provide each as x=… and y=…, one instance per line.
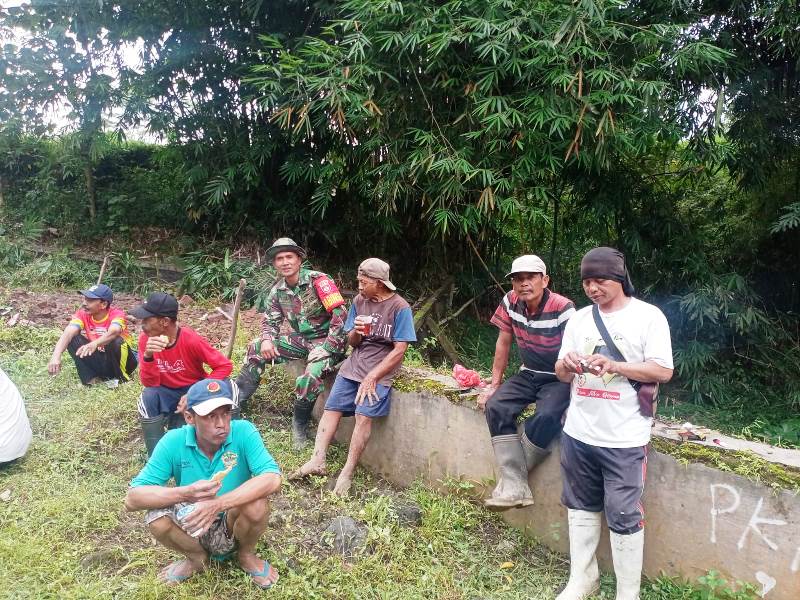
x=264, y=572
x=173, y=578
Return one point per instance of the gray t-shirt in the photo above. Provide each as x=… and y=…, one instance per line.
x=392, y=322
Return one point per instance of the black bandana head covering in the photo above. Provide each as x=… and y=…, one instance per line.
x=607, y=263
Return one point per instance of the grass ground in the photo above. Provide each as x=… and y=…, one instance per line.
x=64, y=533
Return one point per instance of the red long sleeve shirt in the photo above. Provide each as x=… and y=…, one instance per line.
x=182, y=364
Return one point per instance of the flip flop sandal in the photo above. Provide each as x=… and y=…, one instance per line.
x=263, y=573
x=171, y=578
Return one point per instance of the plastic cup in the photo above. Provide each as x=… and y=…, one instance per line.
x=366, y=324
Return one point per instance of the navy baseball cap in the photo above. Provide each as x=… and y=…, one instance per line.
x=209, y=394
x=157, y=304
x=99, y=292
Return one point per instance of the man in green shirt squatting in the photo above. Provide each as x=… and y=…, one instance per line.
x=223, y=477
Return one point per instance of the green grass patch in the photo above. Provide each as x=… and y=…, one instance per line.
x=65, y=534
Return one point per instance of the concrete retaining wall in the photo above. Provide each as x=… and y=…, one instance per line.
x=698, y=518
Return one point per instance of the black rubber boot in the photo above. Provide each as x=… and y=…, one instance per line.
x=176, y=421
x=152, y=431
x=247, y=382
x=300, y=419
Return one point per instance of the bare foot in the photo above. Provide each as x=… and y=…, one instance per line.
x=179, y=571
x=343, y=483
x=310, y=468
x=263, y=574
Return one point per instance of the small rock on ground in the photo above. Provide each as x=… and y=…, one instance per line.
x=506, y=546
x=348, y=536
x=409, y=515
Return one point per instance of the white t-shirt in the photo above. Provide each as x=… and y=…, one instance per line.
x=605, y=411
x=15, y=430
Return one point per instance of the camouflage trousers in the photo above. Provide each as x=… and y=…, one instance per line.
x=308, y=386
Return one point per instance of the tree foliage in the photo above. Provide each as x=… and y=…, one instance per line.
x=473, y=113
x=475, y=130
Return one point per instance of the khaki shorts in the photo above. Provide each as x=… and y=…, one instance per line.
x=218, y=541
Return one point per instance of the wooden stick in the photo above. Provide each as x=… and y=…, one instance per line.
x=422, y=313
x=102, y=269
x=444, y=341
x=224, y=314
x=485, y=266
x=237, y=304
x=446, y=320
x=449, y=318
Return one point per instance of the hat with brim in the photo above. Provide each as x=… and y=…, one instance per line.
x=377, y=269
x=208, y=395
x=284, y=244
x=528, y=263
x=157, y=304
x=98, y=292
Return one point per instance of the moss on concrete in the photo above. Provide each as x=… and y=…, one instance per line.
x=745, y=464
x=408, y=382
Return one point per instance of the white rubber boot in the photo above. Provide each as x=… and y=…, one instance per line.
x=628, y=552
x=584, y=536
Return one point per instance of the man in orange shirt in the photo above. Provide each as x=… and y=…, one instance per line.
x=98, y=340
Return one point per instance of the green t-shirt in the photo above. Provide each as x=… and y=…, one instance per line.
x=177, y=457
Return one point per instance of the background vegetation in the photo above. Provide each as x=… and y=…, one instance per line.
x=473, y=129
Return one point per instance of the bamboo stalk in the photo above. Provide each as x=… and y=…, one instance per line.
x=237, y=304
x=102, y=269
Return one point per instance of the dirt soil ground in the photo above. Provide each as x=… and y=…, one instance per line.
x=54, y=309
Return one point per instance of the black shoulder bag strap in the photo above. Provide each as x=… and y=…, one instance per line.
x=646, y=392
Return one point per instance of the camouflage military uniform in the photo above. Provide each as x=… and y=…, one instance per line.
x=316, y=313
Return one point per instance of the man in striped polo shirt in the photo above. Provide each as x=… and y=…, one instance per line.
x=536, y=317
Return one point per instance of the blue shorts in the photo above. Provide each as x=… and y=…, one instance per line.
x=160, y=400
x=343, y=399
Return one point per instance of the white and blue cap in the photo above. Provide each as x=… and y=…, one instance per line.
x=209, y=394
x=99, y=292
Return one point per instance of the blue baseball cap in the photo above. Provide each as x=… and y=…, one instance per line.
x=99, y=292
x=209, y=394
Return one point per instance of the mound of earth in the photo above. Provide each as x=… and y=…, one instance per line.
x=54, y=309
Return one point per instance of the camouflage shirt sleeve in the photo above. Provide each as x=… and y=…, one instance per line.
x=273, y=317
x=336, y=342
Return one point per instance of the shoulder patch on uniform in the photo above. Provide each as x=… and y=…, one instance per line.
x=328, y=293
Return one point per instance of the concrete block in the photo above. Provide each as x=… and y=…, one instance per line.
x=697, y=518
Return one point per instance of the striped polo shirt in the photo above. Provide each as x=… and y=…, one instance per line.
x=538, y=333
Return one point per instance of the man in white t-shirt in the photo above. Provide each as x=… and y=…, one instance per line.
x=15, y=430
x=607, y=430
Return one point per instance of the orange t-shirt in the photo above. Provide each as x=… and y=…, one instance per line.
x=96, y=329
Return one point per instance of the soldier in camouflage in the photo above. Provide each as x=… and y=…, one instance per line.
x=315, y=311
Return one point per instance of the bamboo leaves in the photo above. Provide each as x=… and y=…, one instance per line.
x=472, y=102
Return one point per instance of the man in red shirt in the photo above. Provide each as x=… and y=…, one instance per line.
x=173, y=358
x=535, y=317
x=98, y=340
